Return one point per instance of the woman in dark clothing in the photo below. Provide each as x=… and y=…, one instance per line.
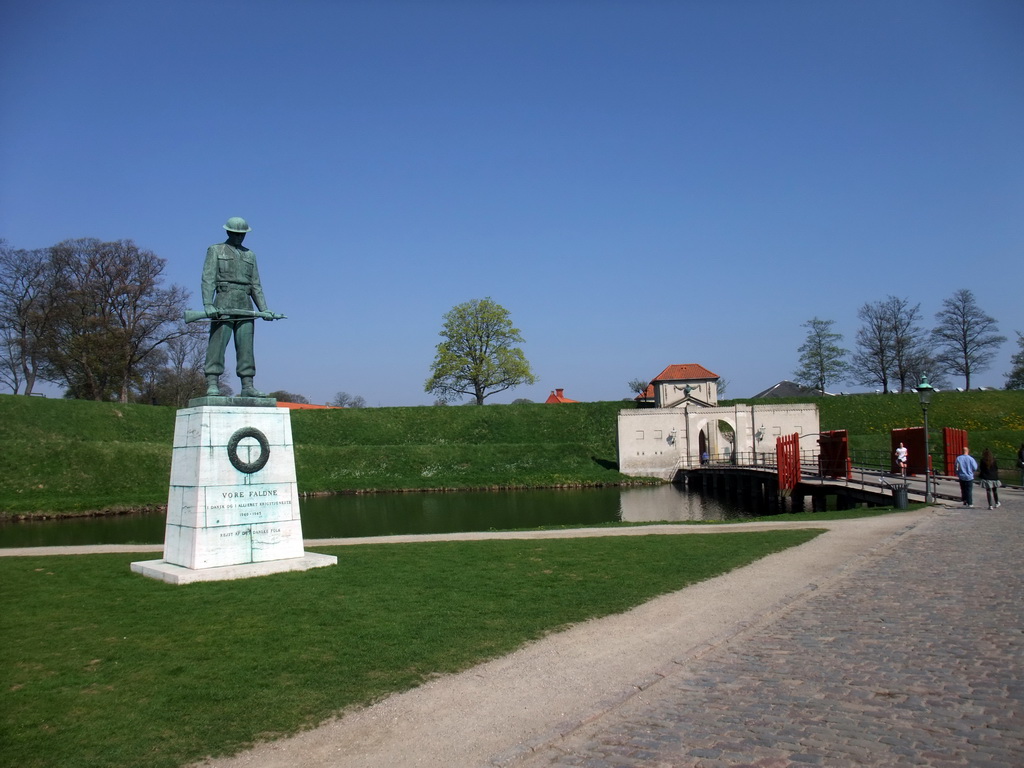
x=989, y=476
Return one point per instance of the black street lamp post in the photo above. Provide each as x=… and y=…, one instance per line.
x=924, y=392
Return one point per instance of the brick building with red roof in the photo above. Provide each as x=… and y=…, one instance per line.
x=681, y=384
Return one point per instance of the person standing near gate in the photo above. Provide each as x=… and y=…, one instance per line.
x=965, y=468
x=231, y=284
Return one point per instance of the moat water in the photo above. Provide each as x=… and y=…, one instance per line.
x=384, y=514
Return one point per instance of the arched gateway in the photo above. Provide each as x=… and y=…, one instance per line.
x=686, y=421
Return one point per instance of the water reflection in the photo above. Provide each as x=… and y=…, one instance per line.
x=407, y=513
x=355, y=516
x=673, y=504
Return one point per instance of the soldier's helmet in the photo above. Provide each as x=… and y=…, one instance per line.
x=236, y=224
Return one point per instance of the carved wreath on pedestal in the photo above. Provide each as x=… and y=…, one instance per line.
x=248, y=467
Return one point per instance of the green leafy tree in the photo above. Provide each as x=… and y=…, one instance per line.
x=477, y=355
x=822, y=360
x=966, y=338
x=1015, y=378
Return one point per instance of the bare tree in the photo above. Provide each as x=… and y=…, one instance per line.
x=639, y=386
x=27, y=295
x=822, y=360
x=911, y=347
x=148, y=379
x=873, y=359
x=110, y=315
x=345, y=400
x=1015, y=378
x=179, y=378
x=890, y=344
x=10, y=360
x=966, y=338
x=284, y=396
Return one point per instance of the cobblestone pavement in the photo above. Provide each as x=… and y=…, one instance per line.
x=912, y=659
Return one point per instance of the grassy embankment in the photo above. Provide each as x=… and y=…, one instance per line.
x=73, y=455
x=993, y=420
x=69, y=456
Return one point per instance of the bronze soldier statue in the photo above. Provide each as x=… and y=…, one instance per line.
x=231, y=284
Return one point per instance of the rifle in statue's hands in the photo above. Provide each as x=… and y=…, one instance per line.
x=195, y=315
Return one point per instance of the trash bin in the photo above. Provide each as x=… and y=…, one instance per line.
x=899, y=496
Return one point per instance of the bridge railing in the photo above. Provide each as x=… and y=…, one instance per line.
x=759, y=459
x=861, y=460
x=877, y=460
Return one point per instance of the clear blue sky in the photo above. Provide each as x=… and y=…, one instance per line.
x=639, y=183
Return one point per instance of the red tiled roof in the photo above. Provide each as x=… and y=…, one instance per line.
x=684, y=371
x=558, y=397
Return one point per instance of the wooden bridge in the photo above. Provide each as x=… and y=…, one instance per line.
x=756, y=486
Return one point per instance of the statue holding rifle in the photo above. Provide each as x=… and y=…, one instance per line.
x=231, y=284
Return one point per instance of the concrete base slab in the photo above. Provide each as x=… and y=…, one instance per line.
x=176, y=574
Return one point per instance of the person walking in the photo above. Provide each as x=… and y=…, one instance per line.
x=989, y=475
x=1020, y=462
x=965, y=468
x=901, y=459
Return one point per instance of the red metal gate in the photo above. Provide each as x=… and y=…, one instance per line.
x=953, y=441
x=787, y=456
x=913, y=440
x=834, y=457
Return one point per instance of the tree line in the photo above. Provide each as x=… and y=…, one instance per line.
x=95, y=318
x=893, y=349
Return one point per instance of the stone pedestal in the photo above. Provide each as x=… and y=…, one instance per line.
x=233, y=507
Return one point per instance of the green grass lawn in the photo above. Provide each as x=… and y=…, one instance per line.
x=102, y=667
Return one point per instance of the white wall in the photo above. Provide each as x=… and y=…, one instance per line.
x=655, y=442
